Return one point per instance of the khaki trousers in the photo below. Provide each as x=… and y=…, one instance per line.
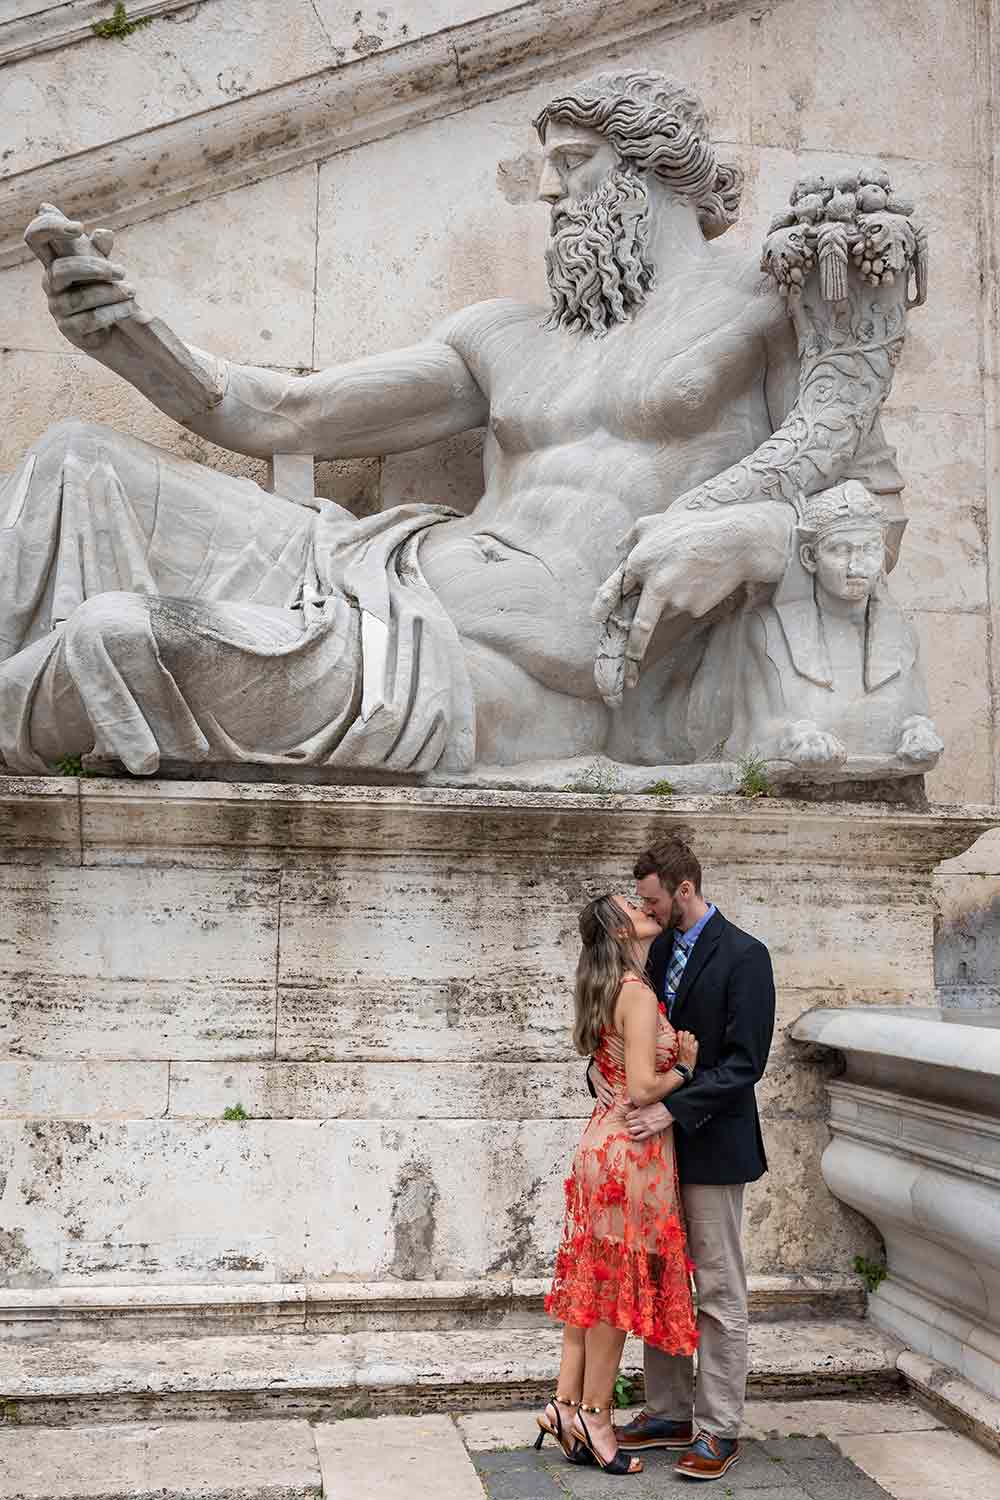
x=713, y=1216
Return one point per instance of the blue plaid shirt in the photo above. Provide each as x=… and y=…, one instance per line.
x=684, y=940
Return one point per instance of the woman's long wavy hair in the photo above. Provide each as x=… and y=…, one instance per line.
x=605, y=960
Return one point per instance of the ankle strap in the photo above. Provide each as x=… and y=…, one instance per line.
x=596, y=1410
x=565, y=1401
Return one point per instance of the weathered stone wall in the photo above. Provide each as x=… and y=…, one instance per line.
x=967, y=927
x=383, y=981
x=340, y=177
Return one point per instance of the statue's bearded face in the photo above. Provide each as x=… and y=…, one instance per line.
x=597, y=269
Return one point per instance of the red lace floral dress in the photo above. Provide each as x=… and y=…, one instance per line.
x=623, y=1258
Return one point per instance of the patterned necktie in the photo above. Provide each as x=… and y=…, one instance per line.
x=675, y=968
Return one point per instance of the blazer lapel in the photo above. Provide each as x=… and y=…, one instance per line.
x=656, y=963
x=703, y=949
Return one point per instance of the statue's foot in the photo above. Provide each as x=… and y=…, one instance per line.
x=920, y=741
x=805, y=744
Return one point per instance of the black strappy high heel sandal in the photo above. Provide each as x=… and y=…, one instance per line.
x=621, y=1463
x=574, y=1451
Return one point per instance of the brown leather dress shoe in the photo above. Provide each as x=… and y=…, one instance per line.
x=709, y=1457
x=650, y=1431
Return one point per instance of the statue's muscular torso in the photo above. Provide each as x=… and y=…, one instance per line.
x=584, y=437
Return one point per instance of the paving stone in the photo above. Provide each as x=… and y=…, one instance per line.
x=419, y=1458
x=829, y=1418
x=796, y=1447
x=490, y=1431
x=826, y=1477
x=168, y=1461
x=858, y=1487
x=486, y=1431
x=788, y=1469
x=927, y=1465
x=758, y=1469
x=517, y=1476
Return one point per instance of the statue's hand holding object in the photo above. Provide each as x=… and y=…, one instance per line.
x=86, y=290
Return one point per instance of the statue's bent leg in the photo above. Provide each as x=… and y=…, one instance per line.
x=88, y=511
x=139, y=678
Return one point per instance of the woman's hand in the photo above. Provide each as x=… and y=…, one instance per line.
x=687, y=1048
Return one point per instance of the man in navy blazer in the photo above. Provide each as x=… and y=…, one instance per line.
x=716, y=981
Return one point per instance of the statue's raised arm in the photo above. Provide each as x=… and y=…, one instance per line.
x=384, y=404
x=850, y=260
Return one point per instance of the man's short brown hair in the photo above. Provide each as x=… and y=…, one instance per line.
x=672, y=862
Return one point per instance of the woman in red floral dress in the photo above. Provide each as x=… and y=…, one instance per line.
x=622, y=1266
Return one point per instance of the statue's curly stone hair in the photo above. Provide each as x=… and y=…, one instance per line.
x=657, y=125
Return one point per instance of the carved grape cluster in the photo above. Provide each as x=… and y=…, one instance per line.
x=856, y=218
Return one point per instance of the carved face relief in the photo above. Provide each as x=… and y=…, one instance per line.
x=575, y=161
x=847, y=561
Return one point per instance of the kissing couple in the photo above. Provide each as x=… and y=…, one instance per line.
x=675, y=1007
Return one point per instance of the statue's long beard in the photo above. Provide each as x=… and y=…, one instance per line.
x=597, y=270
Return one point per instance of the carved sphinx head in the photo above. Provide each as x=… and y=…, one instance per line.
x=842, y=541
x=603, y=141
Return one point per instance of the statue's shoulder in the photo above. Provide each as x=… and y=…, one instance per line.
x=472, y=327
x=745, y=302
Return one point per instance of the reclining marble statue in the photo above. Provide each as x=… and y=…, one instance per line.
x=153, y=609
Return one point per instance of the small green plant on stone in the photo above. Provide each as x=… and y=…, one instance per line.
x=119, y=25
x=872, y=1272
x=72, y=765
x=599, y=780
x=235, y=1112
x=624, y=1390
x=753, y=780
x=660, y=789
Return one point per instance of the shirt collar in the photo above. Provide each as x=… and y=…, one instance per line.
x=689, y=938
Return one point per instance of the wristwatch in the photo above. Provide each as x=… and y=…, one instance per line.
x=684, y=1071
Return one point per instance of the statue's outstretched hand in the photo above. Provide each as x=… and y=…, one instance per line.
x=683, y=562
x=86, y=290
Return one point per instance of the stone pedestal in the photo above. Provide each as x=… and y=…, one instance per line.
x=916, y=1148
x=381, y=982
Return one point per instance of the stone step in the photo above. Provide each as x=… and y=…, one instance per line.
x=354, y=1307
x=323, y=1376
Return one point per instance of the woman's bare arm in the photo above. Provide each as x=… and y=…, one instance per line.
x=638, y=1012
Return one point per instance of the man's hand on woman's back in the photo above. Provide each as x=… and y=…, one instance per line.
x=603, y=1092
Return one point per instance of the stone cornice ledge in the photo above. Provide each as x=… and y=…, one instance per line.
x=318, y=116
x=73, y=21
x=62, y=820
x=943, y=1039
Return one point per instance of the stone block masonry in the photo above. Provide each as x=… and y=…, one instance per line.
x=380, y=982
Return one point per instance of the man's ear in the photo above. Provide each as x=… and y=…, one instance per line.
x=807, y=556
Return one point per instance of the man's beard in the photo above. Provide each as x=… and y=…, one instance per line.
x=673, y=922
x=597, y=270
